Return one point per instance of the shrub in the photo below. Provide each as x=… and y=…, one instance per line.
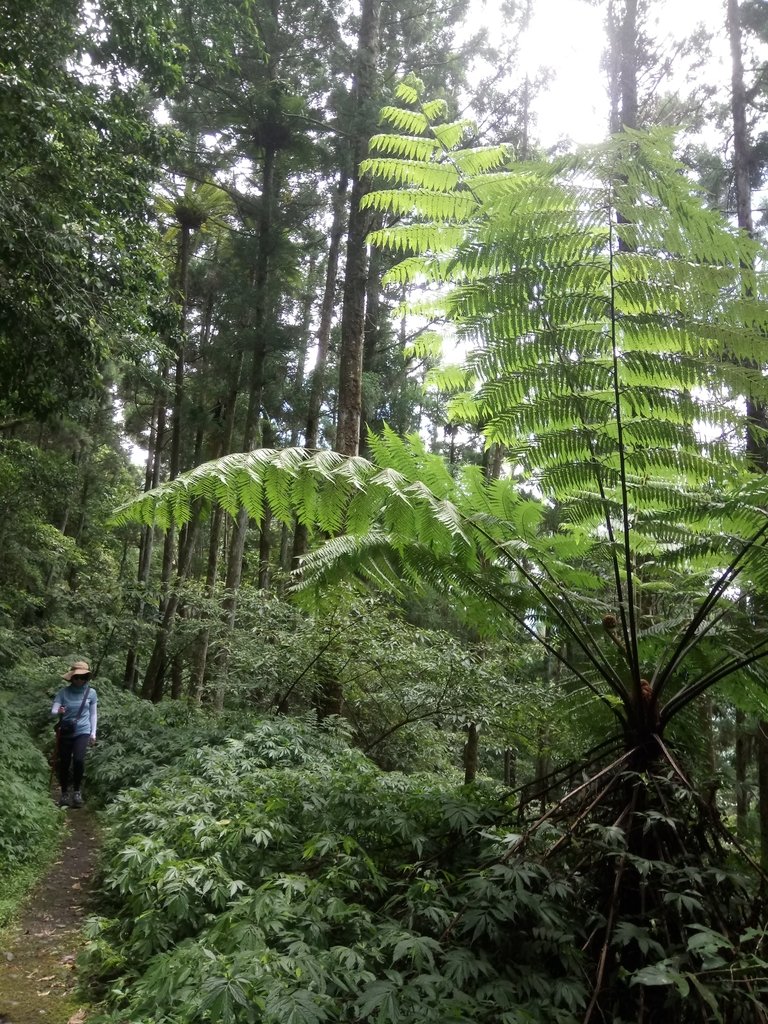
x=27, y=816
x=283, y=877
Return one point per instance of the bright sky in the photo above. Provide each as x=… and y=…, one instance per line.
x=569, y=37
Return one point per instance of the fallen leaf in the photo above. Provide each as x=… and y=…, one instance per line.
x=77, y=1018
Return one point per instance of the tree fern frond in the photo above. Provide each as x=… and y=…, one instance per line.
x=433, y=237
x=408, y=147
x=450, y=134
x=411, y=121
x=435, y=206
x=434, y=109
x=612, y=375
x=434, y=177
x=407, y=93
x=472, y=162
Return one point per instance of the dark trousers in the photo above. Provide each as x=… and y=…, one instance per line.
x=72, y=751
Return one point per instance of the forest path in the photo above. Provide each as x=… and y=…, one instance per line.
x=37, y=955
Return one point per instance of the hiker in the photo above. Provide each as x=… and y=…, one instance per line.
x=75, y=707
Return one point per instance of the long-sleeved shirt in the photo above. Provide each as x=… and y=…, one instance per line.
x=70, y=698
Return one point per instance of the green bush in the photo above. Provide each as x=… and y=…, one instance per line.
x=28, y=817
x=283, y=877
x=136, y=737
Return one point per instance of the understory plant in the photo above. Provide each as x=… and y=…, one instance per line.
x=28, y=818
x=613, y=329
x=284, y=878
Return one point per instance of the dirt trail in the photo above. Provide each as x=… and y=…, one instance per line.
x=37, y=956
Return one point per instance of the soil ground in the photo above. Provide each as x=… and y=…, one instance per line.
x=38, y=953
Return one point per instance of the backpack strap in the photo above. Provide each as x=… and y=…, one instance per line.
x=82, y=702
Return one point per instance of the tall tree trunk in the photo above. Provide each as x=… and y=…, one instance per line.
x=327, y=307
x=305, y=329
x=152, y=684
x=762, y=781
x=158, y=662
x=622, y=63
x=510, y=767
x=229, y=405
x=471, y=753
x=331, y=698
x=371, y=335
x=265, y=531
x=629, y=65
x=757, y=418
x=151, y=480
x=756, y=414
x=326, y=311
x=742, y=185
x=741, y=764
x=356, y=271
x=256, y=384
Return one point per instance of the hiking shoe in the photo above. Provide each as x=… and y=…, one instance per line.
x=77, y=798
x=64, y=799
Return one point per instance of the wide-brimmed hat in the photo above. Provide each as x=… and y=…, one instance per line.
x=77, y=668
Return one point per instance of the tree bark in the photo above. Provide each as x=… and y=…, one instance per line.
x=742, y=184
x=762, y=779
x=471, y=753
x=158, y=662
x=756, y=414
x=356, y=271
x=255, y=397
x=510, y=767
x=326, y=312
x=152, y=684
x=371, y=335
x=741, y=764
x=327, y=307
x=622, y=64
x=229, y=405
x=151, y=480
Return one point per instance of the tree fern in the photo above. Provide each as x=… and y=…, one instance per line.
x=609, y=349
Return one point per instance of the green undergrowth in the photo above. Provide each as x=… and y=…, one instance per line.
x=282, y=878
x=20, y=880
x=28, y=818
x=269, y=879
x=137, y=737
